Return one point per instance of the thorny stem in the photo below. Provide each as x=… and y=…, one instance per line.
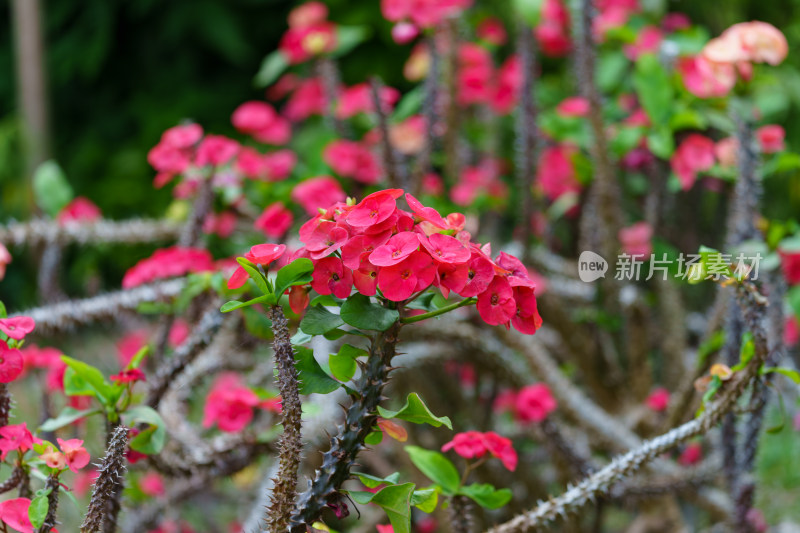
x=452, y=167
x=460, y=514
x=437, y=312
x=623, y=466
x=329, y=75
x=39, y=231
x=52, y=504
x=345, y=446
x=5, y=404
x=389, y=162
x=429, y=112
x=525, y=144
x=284, y=492
x=101, y=516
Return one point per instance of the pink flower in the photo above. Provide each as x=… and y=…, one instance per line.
x=475, y=74
x=706, y=79
x=691, y=455
x=216, y=150
x=408, y=136
x=553, y=30
x=5, y=259
x=17, y=327
x=404, y=32
x=221, y=224
x=424, y=13
x=535, y=403
x=395, y=250
x=725, y=151
x=374, y=208
x=260, y=120
x=130, y=344
x=658, y=400
x=229, y=404
x=11, y=363
x=76, y=454
x=279, y=164
x=353, y=160
x=790, y=263
x=673, y=22
x=496, y=304
x=480, y=274
x=260, y=254
x=791, y=331
x=415, y=273
x=152, y=484
x=469, y=444
x=314, y=193
x=307, y=99
x=648, y=41
x=771, y=138
x=168, y=262
x=754, y=41
x=80, y=209
x=14, y=513
x=556, y=173
x=16, y=438
x=695, y=154
x=307, y=14
x=274, y=221
x=299, y=44
x=330, y=276
x=492, y=31
x=574, y=106
x=54, y=459
x=509, y=83
x=636, y=240
x=358, y=99
x=526, y=319
x=501, y=448
x=445, y=249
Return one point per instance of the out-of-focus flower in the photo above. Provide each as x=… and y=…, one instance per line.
x=695, y=154
x=771, y=138
x=636, y=240
x=535, y=402
x=658, y=400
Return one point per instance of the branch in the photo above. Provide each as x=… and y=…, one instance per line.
x=134, y=231
x=100, y=517
x=67, y=315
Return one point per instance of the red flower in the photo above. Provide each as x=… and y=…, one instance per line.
x=229, y=404
x=5, y=259
x=11, y=363
x=527, y=319
x=216, y=150
x=790, y=263
x=445, y=249
x=17, y=327
x=399, y=281
x=648, y=41
x=14, y=513
x=469, y=444
x=534, y=403
x=553, y=30
x=556, y=172
x=636, y=240
x=658, y=399
x=695, y=154
x=574, y=106
x=260, y=120
x=496, y=304
x=129, y=376
x=395, y=250
x=260, y=254
x=80, y=209
x=771, y=138
x=706, y=79
x=152, y=484
x=358, y=99
x=16, y=438
x=307, y=99
x=480, y=274
x=691, y=455
x=168, y=262
x=274, y=221
x=375, y=208
x=492, y=31
x=332, y=277
x=501, y=448
x=352, y=160
x=76, y=454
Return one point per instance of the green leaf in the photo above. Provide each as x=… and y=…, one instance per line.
x=50, y=188
x=437, y=467
x=138, y=357
x=790, y=373
x=661, y=142
x=374, y=482
x=486, y=495
x=67, y=416
x=37, y=511
x=257, y=323
x=374, y=438
x=425, y=500
x=343, y=364
x=396, y=502
x=409, y=104
x=82, y=379
x=233, y=305
x=255, y=275
x=529, y=10
x=611, y=70
x=271, y=68
x=653, y=87
x=312, y=378
x=318, y=321
x=348, y=37
x=3, y=312
x=298, y=272
x=416, y=412
x=793, y=295
x=151, y=440
x=361, y=313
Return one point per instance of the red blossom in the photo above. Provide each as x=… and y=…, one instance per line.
x=128, y=376
x=318, y=192
x=168, y=262
x=658, y=400
x=229, y=404
x=14, y=513
x=695, y=154
x=16, y=438
x=81, y=209
x=496, y=304
x=535, y=403
x=76, y=455
x=17, y=327
x=260, y=254
x=771, y=138
x=274, y=221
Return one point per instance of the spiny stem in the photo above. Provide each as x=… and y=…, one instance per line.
x=437, y=312
x=52, y=504
x=284, y=492
x=389, y=162
x=101, y=515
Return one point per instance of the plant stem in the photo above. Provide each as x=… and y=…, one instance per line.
x=284, y=492
x=52, y=504
x=437, y=312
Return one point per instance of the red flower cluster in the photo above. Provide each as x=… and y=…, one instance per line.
x=260, y=120
x=374, y=246
x=474, y=444
x=422, y=13
x=310, y=33
x=533, y=403
x=79, y=210
x=353, y=159
x=658, y=400
x=230, y=404
x=11, y=360
x=553, y=30
x=168, y=262
x=695, y=154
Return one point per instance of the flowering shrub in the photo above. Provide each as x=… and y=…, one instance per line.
x=332, y=250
